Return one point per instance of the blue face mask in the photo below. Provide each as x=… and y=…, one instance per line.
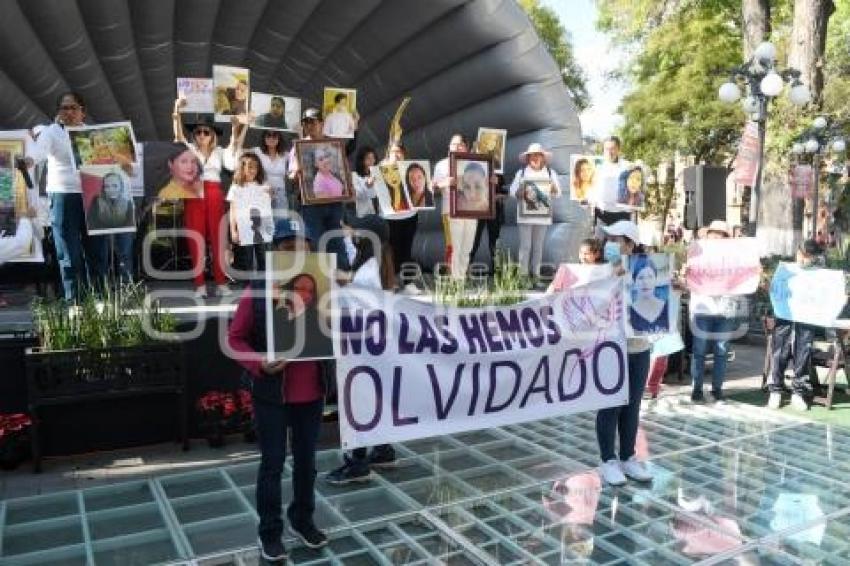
x=611, y=252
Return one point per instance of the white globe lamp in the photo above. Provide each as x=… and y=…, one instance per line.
x=839, y=145
x=765, y=52
x=729, y=93
x=812, y=146
x=819, y=123
x=797, y=148
x=771, y=84
x=750, y=105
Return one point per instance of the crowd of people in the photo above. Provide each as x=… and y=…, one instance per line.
x=289, y=395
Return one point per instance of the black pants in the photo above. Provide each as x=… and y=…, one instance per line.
x=494, y=227
x=792, y=339
x=623, y=421
x=250, y=258
x=272, y=421
x=401, y=240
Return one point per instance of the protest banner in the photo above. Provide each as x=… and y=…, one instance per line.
x=747, y=161
x=810, y=296
x=723, y=267
x=409, y=369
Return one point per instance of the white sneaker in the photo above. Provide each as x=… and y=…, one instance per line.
x=223, y=291
x=636, y=470
x=798, y=403
x=774, y=401
x=611, y=472
x=201, y=292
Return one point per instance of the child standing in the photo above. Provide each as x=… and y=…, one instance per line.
x=250, y=202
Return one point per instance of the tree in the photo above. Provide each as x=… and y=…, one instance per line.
x=557, y=42
x=808, y=42
x=756, y=18
x=673, y=105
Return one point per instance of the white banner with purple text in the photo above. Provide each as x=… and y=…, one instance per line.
x=410, y=369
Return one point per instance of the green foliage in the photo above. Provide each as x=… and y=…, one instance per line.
x=557, y=42
x=508, y=286
x=675, y=73
x=118, y=318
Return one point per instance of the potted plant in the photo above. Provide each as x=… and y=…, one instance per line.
x=218, y=414
x=107, y=345
x=14, y=440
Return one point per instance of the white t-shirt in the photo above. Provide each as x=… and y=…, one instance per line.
x=219, y=159
x=275, y=169
x=363, y=194
x=339, y=125
x=606, y=185
x=441, y=171
x=54, y=145
x=528, y=173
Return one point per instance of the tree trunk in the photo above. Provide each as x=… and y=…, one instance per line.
x=756, y=16
x=808, y=42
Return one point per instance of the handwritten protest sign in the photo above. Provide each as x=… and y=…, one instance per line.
x=407, y=369
x=723, y=267
x=810, y=296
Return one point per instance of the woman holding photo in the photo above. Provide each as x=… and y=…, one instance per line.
x=274, y=160
x=364, y=182
x=532, y=229
x=404, y=223
x=204, y=215
x=250, y=254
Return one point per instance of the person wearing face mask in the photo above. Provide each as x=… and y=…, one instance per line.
x=622, y=421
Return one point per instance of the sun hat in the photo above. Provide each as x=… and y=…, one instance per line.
x=719, y=226
x=535, y=148
x=204, y=120
x=625, y=228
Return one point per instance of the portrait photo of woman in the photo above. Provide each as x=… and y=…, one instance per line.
x=417, y=183
x=392, y=177
x=581, y=183
x=112, y=209
x=326, y=184
x=630, y=188
x=325, y=176
x=184, y=175
x=473, y=197
x=649, y=305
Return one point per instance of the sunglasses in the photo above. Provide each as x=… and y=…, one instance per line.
x=203, y=132
x=70, y=107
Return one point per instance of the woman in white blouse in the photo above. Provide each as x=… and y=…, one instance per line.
x=364, y=183
x=275, y=160
x=205, y=215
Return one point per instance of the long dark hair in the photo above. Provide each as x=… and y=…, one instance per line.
x=386, y=263
x=239, y=175
x=265, y=148
x=359, y=161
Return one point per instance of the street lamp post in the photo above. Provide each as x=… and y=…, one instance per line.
x=765, y=82
x=817, y=140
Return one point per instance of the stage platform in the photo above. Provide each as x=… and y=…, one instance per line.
x=734, y=484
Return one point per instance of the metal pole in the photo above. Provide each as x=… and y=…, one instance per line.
x=755, y=197
x=816, y=167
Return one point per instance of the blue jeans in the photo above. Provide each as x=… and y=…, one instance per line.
x=623, y=418
x=320, y=218
x=82, y=258
x=272, y=422
x=704, y=329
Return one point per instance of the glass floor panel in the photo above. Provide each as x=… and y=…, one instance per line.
x=731, y=485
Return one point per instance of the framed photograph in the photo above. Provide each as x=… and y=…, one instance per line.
x=298, y=291
x=254, y=217
x=648, y=295
x=536, y=201
x=325, y=176
x=275, y=112
x=107, y=201
x=172, y=171
x=416, y=176
x=231, y=91
x=339, y=109
x=492, y=142
x=472, y=194
x=13, y=190
x=631, y=188
x=103, y=144
x=583, y=176
x=198, y=94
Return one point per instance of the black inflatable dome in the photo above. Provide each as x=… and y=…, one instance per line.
x=465, y=63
